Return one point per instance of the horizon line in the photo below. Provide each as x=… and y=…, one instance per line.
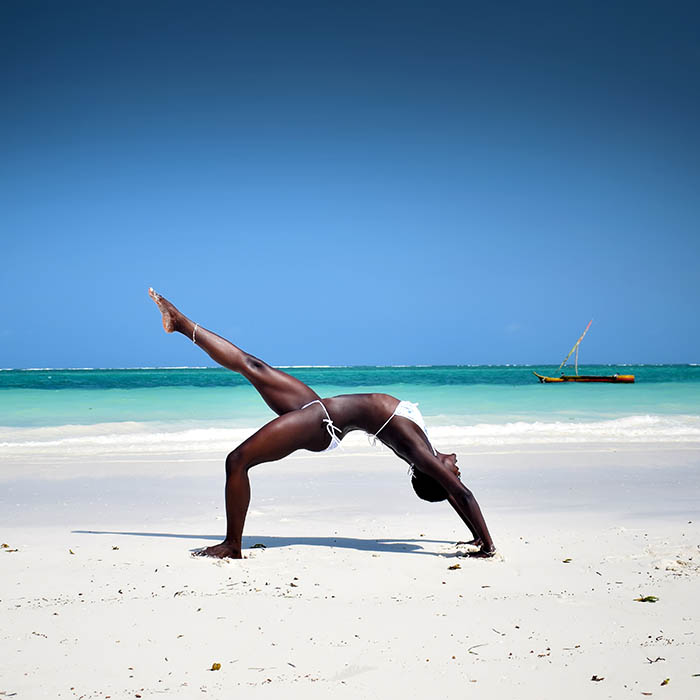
x=345, y=366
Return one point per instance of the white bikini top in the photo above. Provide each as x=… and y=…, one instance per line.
x=409, y=410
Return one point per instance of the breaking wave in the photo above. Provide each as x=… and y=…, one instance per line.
x=165, y=438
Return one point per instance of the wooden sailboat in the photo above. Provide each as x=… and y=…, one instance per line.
x=612, y=378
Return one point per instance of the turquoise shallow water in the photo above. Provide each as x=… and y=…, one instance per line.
x=348, y=377
x=464, y=394
x=474, y=405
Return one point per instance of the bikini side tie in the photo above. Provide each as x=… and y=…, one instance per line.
x=327, y=420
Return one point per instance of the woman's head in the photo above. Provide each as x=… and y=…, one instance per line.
x=426, y=487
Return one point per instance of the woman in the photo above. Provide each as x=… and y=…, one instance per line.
x=308, y=422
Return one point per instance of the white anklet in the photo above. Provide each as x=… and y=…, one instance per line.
x=194, y=333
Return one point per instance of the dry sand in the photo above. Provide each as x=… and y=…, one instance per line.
x=355, y=593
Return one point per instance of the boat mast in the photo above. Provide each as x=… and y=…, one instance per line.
x=575, y=348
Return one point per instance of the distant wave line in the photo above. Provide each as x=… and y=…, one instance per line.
x=346, y=366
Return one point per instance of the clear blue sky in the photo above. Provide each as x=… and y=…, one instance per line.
x=364, y=183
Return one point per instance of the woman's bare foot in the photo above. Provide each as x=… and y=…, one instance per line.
x=170, y=313
x=476, y=542
x=220, y=551
x=483, y=553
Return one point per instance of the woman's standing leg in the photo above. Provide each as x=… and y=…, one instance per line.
x=280, y=391
x=293, y=431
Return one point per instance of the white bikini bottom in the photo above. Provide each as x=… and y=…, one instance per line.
x=335, y=442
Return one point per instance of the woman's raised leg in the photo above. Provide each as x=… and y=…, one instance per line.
x=280, y=391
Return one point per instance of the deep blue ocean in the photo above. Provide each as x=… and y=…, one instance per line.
x=105, y=411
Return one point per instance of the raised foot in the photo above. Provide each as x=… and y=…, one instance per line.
x=170, y=313
x=219, y=551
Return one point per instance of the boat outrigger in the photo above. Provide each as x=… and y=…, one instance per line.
x=612, y=378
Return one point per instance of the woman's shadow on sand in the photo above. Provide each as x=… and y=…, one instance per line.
x=414, y=546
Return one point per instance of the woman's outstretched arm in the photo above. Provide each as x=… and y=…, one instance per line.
x=461, y=499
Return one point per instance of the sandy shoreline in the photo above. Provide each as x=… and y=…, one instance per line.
x=353, y=594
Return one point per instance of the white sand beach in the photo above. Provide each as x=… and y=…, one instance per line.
x=359, y=590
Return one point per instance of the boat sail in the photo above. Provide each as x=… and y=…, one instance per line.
x=614, y=378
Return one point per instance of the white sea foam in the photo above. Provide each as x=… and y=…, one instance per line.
x=115, y=439
x=154, y=438
x=633, y=429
